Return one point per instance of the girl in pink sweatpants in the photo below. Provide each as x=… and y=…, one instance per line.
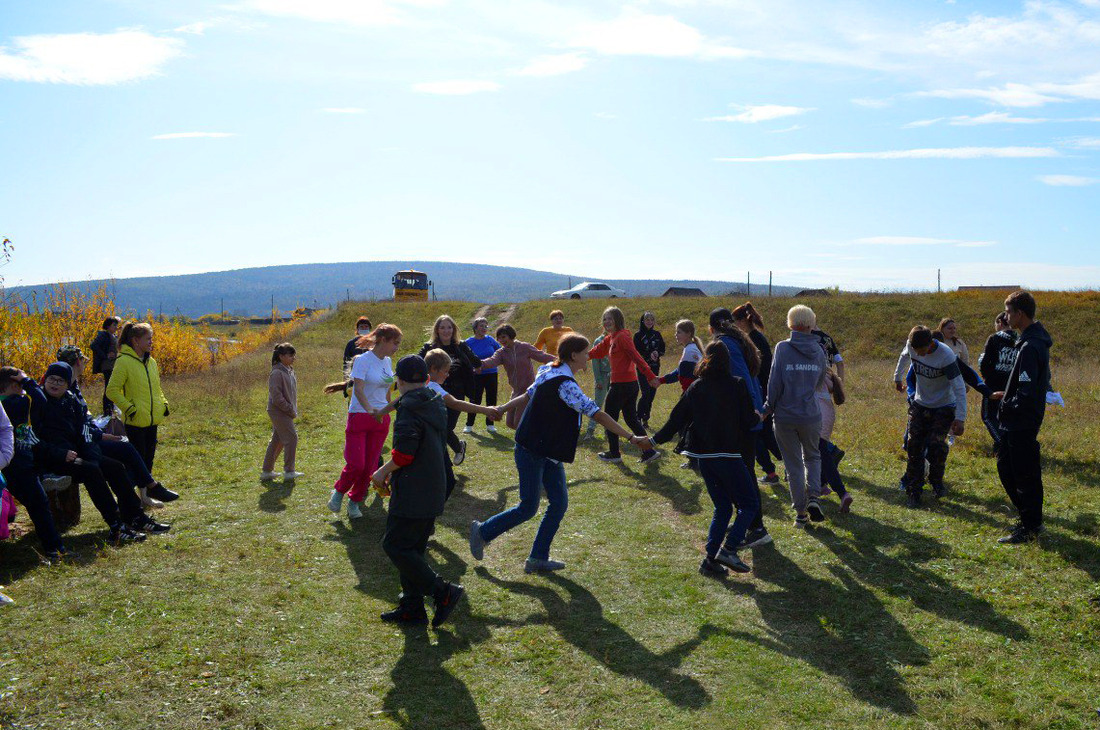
x=365, y=434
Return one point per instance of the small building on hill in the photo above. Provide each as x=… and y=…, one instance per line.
x=684, y=291
x=813, y=293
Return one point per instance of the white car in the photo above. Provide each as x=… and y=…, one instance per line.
x=589, y=290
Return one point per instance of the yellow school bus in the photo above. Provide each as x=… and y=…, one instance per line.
x=410, y=286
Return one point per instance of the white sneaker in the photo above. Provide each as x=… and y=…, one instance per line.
x=291, y=475
x=5, y=600
x=265, y=475
x=460, y=455
x=336, y=501
x=353, y=510
x=468, y=429
x=148, y=502
x=491, y=428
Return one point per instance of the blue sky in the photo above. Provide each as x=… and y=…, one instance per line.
x=858, y=144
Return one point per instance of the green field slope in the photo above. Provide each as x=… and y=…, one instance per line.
x=259, y=609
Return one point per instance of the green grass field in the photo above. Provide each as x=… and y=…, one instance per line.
x=259, y=609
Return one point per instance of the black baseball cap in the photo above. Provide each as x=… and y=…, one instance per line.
x=412, y=369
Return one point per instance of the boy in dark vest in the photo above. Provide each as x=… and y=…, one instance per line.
x=416, y=475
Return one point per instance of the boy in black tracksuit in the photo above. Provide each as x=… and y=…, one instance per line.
x=651, y=346
x=1023, y=405
x=418, y=493
x=68, y=447
x=995, y=363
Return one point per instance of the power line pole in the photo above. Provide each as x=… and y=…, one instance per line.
x=769, y=283
x=939, y=288
x=748, y=283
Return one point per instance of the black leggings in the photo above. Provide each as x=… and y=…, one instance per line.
x=622, y=398
x=486, y=384
x=144, y=439
x=645, y=402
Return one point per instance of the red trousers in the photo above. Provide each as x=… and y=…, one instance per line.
x=364, y=437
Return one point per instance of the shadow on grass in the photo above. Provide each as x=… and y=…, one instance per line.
x=273, y=498
x=578, y=618
x=21, y=556
x=684, y=499
x=844, y=631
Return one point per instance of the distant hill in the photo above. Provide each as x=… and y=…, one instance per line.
x=250, y=291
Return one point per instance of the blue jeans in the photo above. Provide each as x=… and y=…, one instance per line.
x=535, y=474
x=728, y=484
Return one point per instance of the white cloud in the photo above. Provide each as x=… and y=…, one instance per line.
x=456, y=87
x=1062, y=181
x=872, y=103
x=1011, y=95
x=918, y=241
x=343, y=110
x=605, y=115
x=351, y=12
x=760, y=113
x=195, y=135
x=1082, y=143
x=923, y=123
x=792, y=128
x=554, y=65
x=87, y=58
x=941, y=153
x=635, y=33
x=198, y=28
x=994, y=118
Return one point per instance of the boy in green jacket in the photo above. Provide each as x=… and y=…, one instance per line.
x=417, y=477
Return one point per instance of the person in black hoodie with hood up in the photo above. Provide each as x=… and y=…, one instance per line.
x=994, y=364
x=1023, y=405
x=651, y=346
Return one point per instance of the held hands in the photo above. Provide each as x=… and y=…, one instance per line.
x=380, y=480
x=642, y=442
x=654, y=383
x=898, y=386
x=997, y=396
x=495, y=414
x=70, y=457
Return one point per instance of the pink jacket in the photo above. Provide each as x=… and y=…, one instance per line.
x=282, y=391
x=516, y=362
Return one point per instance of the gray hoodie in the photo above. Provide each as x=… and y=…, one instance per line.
x=939, y=382
x=798, y=369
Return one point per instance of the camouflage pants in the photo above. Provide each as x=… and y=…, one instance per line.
x=928, y=429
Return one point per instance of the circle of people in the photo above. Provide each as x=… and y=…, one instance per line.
x=742, y=405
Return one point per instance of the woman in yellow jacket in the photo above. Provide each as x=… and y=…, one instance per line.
x=135, y=389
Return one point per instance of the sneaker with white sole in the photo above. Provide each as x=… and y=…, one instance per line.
x=609, y=457
x=730, y=559
x=353, y=510
x=755, y=538
x=290, y=476
x=801, y=522
x=535, y=565
x=491, y=428
x=651, y=455
x=815, y=511
x=266, y=475
x=336, y=501
x=477, y=542
x=468, y=429
x=460, y=455
x=148, y=502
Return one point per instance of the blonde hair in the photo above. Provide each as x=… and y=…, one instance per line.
x=435, y=341
x=801, y=316
x=437, y=359
x=557, y=313
x=385, y=331
x=688, y=328
x=133, y=330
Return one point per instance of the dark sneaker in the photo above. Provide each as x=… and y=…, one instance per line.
x=460, y=455
x=940, y=490
x=730, y=559
x=56, y=557
x=912, y=500
x=407, y=615
x=445, y=602
x=609, y=457
x=1019, y=536
x=846, y=503
x=477, y=542
x=772, y=478
x=901, y=484
x=147, y=524
x=161, y=492
x=801, y=522
x=651, y=455
x=815, y=511
x=712, y=568
x=123, y=534
x=755, y=538
x=838, y=456
x=535, y=565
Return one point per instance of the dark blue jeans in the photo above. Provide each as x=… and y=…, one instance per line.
x=830, y=474
x=535, y=474
x=729, y=485
x=24, y=485
x=125, y=452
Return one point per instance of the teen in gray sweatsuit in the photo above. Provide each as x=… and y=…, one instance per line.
x=798, y=369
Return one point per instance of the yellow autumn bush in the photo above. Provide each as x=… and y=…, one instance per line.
x=31, y=334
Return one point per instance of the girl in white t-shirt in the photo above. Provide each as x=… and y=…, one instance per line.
x=692, y=354
x=365, y=434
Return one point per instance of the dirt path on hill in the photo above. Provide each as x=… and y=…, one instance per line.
x=495, y=320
